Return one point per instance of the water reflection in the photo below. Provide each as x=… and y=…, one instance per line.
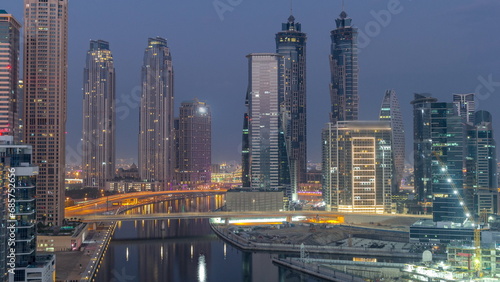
x=183, y=251
x=202, y=269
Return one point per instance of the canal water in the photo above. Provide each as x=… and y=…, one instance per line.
x=184, y=250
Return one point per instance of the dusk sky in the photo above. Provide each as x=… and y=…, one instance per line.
x=426, y=46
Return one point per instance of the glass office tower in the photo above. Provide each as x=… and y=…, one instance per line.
x=344, y=70
x=291, y=44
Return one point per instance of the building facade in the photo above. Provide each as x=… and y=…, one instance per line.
x=390, y=111
x=156, y=128
x=422, y=146
x=22, y=174
x=447, y=162
x=268, y=160
x=98, y=116
x=45, y=95
x=9, y=74
x=291, y=44
x=194, y=137
x=344, y=70
x=465, y=106
x=357, y=166
x=481, y=183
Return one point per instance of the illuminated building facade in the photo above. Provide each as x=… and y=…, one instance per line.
x=390, y=111
x=16, y=159
x=98, y=116
x=268, y=160
x=156, y=128
x=45, y=95
x=291, y=44
x=344, y=70
x=422, y=146
x=481, y=184
x=194, y=143
x=9, y=74
x=357, y=166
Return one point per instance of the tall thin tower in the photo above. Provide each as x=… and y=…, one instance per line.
x=98, y=116
x=344, y=69
x=291, y=44
x=45, y=90
x=268, y=162
x=9, y=74
x=156, y=129
x=390, y=111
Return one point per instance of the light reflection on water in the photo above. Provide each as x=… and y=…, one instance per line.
x=202, y=269
x=183, y=250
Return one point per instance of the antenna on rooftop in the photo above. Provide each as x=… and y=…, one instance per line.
x=291, y=7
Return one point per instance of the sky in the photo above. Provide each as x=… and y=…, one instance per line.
x=425, y=46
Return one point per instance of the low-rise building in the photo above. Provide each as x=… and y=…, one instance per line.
x=67, y=239
x=255, y=200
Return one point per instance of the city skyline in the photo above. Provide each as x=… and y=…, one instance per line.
x=400, y=67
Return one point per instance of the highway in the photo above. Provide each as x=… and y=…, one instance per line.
x=105, y=204
x=190, y=215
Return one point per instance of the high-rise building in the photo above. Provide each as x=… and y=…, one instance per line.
x=481, y=184
x=422, y=146
x=9, y=74
x=98, y=116
x=390, y=111
x=194, y=143
x=156, y=128
x=465, y=106
x=245, y=151
x=45, y=92
x=344, y=70
x=291, y=44
x=268, y=161
x=447, y=162
x=357, y=166
x=15, y=159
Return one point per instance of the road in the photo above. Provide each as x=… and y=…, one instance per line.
x=104, y=204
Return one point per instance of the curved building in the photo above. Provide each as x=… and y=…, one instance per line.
x=390, y=111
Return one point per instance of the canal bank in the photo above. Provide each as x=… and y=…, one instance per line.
x=349, y=246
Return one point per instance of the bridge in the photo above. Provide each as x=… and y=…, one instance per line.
x=279, y=215
x=105, y=204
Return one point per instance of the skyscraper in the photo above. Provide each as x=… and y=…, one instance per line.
x=465, y=106
x=98, y=116
x=390, y=111
x=447, y=162
x=291, y=44
x=422, y=146
x=45, y=92
x=357, y=166
x=194, y=137
x=9, y=74
x=267, y=149
x=481, y=178
x=156, y=128
x=245, y=151
x=344, y=70
x=15, y=159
